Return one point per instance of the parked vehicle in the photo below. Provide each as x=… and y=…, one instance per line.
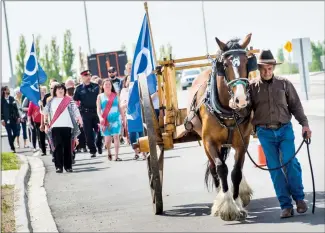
x=188, y=76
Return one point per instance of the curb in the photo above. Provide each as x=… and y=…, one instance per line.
x=40, y=213
x=22, y=217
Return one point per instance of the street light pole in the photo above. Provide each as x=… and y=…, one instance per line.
x=87, y=27
x=205, y=29
x=13, y=79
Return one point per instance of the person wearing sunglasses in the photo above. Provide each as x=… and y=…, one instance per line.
x=117, y=84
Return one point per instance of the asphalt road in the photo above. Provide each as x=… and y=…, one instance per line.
x=114, y=196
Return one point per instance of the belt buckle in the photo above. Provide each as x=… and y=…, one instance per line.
x=274, y=126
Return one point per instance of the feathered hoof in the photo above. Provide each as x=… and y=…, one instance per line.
x=246, y=198
x=214, y=211
x=243, y=215
x=245, y=192
x=230, y=215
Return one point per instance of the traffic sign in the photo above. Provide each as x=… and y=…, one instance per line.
x=288, y=46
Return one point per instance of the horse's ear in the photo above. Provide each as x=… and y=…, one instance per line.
x=222, y=45
x=246, y=41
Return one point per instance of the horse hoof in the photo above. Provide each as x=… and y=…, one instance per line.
x=243, y=215
x=245, y=192
x=214, y=211
x=227, y=216
x=246, y=200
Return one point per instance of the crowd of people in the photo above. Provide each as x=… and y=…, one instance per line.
x=72, y=117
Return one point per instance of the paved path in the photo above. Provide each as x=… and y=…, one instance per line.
x=114, y=196
x=8, y=177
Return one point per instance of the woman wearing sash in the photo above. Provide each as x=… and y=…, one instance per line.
x=109, y=113
x=60, y=118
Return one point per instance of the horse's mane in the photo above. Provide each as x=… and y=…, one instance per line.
x=233, y=44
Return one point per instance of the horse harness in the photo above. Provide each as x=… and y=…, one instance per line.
x=211, y=99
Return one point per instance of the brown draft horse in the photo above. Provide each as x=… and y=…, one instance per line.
x=212, y=105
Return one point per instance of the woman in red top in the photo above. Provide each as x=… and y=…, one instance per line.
x=34, y=113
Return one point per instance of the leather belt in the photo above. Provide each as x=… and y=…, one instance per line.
x=92, y=110
x=272, y=126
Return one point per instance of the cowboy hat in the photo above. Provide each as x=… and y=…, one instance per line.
x=266, y=58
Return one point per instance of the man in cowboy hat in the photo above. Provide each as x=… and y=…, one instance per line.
x=274, y=100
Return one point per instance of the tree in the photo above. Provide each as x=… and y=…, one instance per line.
x=20, y=58
x=318, y=49
x=55, y=60
x=67, y=54
x=280, y=55
x=82, y=61
x=47, y=64
x=123, y=47
x=132, y=52
x=37, y=47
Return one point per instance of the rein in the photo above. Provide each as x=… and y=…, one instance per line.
x=305, y=140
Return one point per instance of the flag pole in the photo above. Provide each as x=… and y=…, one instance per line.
x=151, y=38
x=39, y=88
x=13, y=78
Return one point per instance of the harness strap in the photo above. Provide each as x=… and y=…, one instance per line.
x=194, y=108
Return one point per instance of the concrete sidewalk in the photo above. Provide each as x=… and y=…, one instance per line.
x=314, y=107
x=19, y=179
x=9, y=177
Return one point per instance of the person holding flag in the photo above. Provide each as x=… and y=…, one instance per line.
x=143, y=62
x=33, y=76
x=35, y=115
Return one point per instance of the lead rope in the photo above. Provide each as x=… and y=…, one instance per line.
x=305, y=140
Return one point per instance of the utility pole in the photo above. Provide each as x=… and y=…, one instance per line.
x=205, y=29
x=13, y=78
x=87, y=27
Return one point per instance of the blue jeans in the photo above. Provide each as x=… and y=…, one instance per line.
x=285, y=184
x=22, y=126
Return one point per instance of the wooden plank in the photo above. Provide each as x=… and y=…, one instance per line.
x=185, y=60
x=198, y=58
x=192, y=66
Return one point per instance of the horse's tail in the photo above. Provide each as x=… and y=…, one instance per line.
x=207, y=175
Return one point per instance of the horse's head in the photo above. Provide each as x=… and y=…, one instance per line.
x=234, y=61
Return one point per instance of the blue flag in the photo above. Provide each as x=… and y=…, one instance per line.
x=33, y=76
x=143, y=62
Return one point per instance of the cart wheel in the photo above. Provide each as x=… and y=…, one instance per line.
x=155, y=163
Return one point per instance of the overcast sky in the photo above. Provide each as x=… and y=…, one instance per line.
x=179, y=23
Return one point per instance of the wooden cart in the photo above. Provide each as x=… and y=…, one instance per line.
x=162, y=134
